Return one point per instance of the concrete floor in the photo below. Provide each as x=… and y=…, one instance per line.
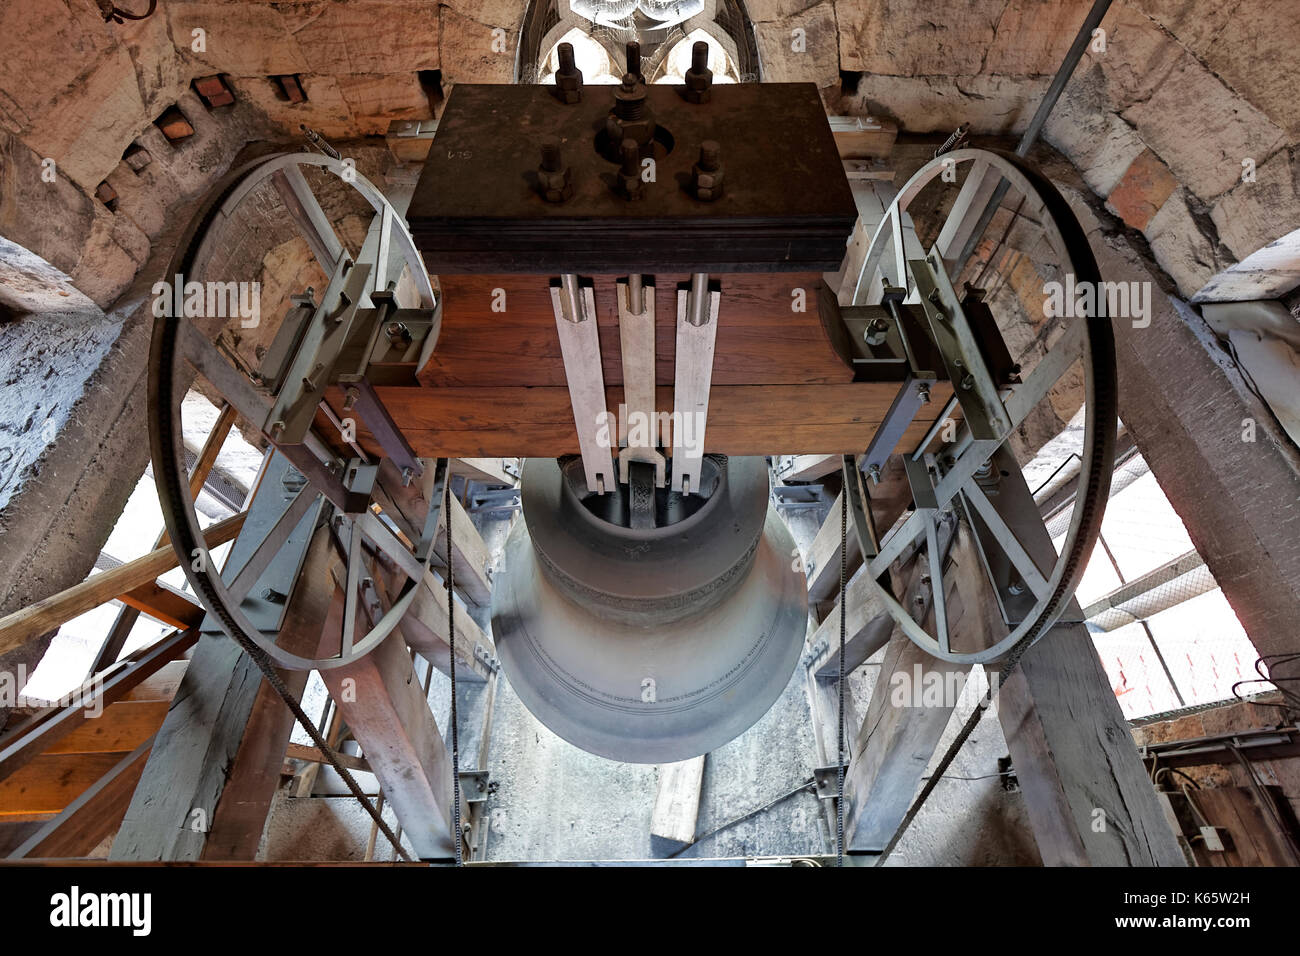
x=556, y=802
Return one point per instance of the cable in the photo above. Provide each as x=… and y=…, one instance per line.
x=844, y=616
x=806, y=785
x=451, y=646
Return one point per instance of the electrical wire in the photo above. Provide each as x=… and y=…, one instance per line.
x=806, y=785
x=451, y=646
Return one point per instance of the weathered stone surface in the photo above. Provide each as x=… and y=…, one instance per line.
x=1201, y=129
x=366, y=37
x=1032, y=36
x=472, y=53
x=86, y=129
x=901, y=38
x=803, y=48
x=50, y=46
x=499, y=13
x=160, y=69
x=325, y=111
x=1083, y=127
x=244, y=39
x=761, y=11
x=1181, y=247
x=991, y=104
x=106, y=267
x=1251, y=215
x=377, y=100
x=1142, y=190
x=1246, y=44
x=1139, y=56
x=51, y=219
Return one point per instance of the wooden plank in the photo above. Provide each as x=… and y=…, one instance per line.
x=760, y=338
x=88, y=820
x=890, y=497
x=162, y=685
x=27, y=741
x=51, y=781
x=409, y=507
x=121, y=728
x=424, y=628
x=677, y=804
x=45, y=615
x=313, y=755
x=164, y=603
x=489, y=470
x=382, y=701
x=743, y=420
x=172, y=809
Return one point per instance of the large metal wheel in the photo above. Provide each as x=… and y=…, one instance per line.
x=321, y=482
x=949, y=476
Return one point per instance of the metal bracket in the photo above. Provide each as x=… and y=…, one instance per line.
x=636, y=327
x=697, y=331
x=574, y=304
x=972, y=383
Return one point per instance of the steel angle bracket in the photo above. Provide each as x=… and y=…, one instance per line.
x=636, y=329
x=312, y=365
x=574, y=303
x=697, y=332
x=971, y=380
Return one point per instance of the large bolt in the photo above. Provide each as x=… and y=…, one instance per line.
x=553, y=179
x=699, y=78
x=630, y=119
x=707, y=174
x=634, y=60
x=877, y=332
x=568, y=78
x=629, y=175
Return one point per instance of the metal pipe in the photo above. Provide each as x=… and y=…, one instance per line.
x=699, y=310
x=1036, y=124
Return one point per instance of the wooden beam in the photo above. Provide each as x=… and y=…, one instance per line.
x=38, y=736
x=174, y=805
x=1089, y=798
x=677, y=805
x=381, y=699
x=489, y=470
x=91, y=817
x=425, y=629
x=313, y=755
x=409, y=506
x=899, y=734
x=166, y=604
x=45, y=615
x=245, y=801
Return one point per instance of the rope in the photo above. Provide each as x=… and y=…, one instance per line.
x=451, y=642
x=844, y=616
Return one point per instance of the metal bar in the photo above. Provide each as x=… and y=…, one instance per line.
x=697, y=330
x=386, y=432
x=1030, y=136
x=308, y=215
x=575, y=321
x=935, y=559
x=636, y=328
x=1006, y=539
x=269, y=547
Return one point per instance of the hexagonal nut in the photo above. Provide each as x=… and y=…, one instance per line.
x=555, y=187
x=708, y=185
x=697, y=87
x=569, y=88
x=641, y=131
x=630, y=186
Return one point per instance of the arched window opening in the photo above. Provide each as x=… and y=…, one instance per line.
x=592, y=59
x=673, y=67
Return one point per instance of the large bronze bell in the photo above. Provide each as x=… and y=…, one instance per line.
x=643, y=625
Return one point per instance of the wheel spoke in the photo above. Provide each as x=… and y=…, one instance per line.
x=351, y=589
x=1007, y=540
x=936, y=581
x=387, y=542
x=270, y=546
x=313, y=224
x=1026, y=396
